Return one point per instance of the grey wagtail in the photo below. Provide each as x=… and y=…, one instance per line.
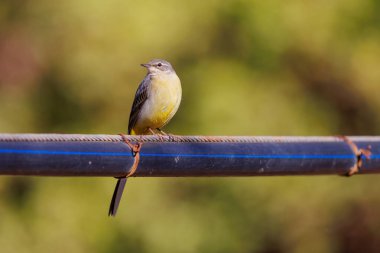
x=156, y=101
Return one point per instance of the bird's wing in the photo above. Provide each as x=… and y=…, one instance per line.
x=140, y=98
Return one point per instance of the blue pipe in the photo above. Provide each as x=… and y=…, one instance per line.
x=95, y=155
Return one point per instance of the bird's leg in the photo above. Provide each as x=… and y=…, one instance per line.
x=171, y=136
x=154, y=133
x=162, y=132
x=151, y=131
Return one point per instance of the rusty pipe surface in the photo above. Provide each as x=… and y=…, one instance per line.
x=182, y=156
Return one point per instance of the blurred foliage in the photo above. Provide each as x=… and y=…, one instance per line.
x=247, y=68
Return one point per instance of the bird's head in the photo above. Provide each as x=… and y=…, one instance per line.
x=158, y=66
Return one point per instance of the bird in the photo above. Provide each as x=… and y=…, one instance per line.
x=156, y=101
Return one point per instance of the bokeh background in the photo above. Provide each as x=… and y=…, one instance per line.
x=247, y=68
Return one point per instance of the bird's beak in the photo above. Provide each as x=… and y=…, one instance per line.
x=146, y=65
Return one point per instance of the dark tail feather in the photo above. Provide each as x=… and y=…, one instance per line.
x=117, y=196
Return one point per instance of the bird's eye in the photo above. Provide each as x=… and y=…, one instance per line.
x=159, y=64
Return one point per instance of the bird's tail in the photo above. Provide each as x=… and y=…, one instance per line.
x=118, y=192
x=117, y=196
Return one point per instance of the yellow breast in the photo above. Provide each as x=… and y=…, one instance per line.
x=163, y=101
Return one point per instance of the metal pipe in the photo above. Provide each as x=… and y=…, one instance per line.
x=183, y=156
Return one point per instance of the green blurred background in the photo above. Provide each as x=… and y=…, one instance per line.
x=247, y=68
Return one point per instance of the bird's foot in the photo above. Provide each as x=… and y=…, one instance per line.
x=160, y=135
x=172, y=137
